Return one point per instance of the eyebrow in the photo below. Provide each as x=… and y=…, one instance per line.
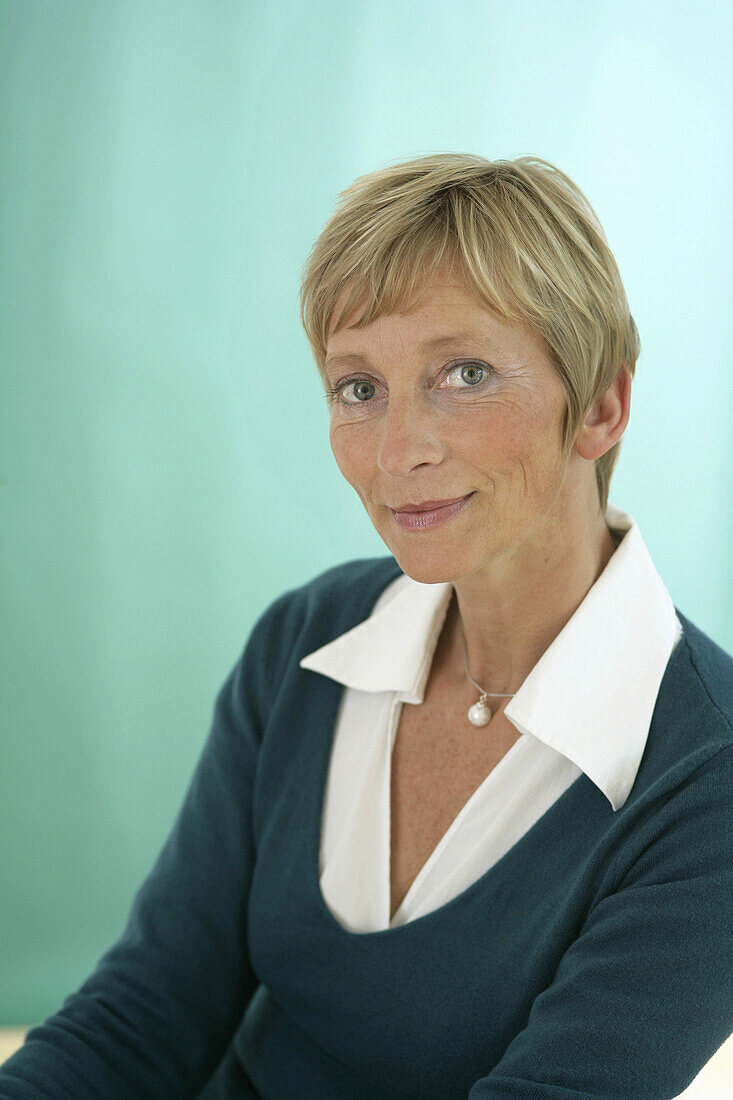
x=425, y=345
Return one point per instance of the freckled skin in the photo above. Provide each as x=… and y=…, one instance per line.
x=532, y=541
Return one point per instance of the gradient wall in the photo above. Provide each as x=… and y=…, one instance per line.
x=164, y=468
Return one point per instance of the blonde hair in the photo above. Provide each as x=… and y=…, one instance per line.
x=521, y=234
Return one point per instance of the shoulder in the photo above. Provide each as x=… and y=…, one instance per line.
x=347, y=589
x=679, y=814
x=690, y=737
x=711, y=679
x=310, y=614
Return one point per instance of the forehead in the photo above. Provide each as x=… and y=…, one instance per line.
x=442, y=313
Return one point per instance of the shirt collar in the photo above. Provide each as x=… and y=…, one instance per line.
x=591, y=694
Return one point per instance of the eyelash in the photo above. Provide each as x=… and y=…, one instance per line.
x=333, y=392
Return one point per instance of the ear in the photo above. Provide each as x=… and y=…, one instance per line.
x=606, y=420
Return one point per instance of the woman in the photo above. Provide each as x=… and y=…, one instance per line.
x=462, y=825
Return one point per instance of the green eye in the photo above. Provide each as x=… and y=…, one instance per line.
x=473, y=374
x=333, y=393
x=360, y=383
x=471, y=368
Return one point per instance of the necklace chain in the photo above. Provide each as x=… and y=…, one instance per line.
x=484, y=694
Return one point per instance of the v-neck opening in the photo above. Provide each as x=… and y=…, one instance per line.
x=448, y=834
x=315, y=838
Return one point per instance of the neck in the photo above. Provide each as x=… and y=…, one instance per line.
x=507, y=628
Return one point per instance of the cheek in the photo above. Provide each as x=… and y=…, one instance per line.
x=494, y=443
x=515, y=450
x=351, y=454
x=538, y=470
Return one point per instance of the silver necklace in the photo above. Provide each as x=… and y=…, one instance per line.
x=479, y=714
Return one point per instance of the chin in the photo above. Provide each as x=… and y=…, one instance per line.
x=426, y=568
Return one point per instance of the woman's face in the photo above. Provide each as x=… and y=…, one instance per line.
x=480, y=414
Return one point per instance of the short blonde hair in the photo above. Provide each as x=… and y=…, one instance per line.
x=521, y=234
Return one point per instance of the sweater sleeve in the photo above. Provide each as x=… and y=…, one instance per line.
x=643, y=997
x=155, y=1016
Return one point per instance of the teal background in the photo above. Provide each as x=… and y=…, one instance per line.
x=165, y=469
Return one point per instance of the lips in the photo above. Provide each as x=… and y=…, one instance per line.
x=429, y=505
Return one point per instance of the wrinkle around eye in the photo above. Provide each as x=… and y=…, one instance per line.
x=335, y=398
x=485, y=367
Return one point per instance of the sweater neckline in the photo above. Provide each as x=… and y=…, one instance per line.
x=322, y=760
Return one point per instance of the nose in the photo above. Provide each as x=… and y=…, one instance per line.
x=409, y=438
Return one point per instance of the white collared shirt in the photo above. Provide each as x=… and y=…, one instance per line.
x=586, y=706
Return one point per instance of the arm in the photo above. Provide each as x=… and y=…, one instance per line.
x=155, y=1016
x=643, y=997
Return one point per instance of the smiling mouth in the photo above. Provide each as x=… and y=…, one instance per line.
x=424, y=519
x=429, y=505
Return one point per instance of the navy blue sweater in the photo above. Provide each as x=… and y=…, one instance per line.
x=594, y=959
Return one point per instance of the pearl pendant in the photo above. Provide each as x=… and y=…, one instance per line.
x=479, y=714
